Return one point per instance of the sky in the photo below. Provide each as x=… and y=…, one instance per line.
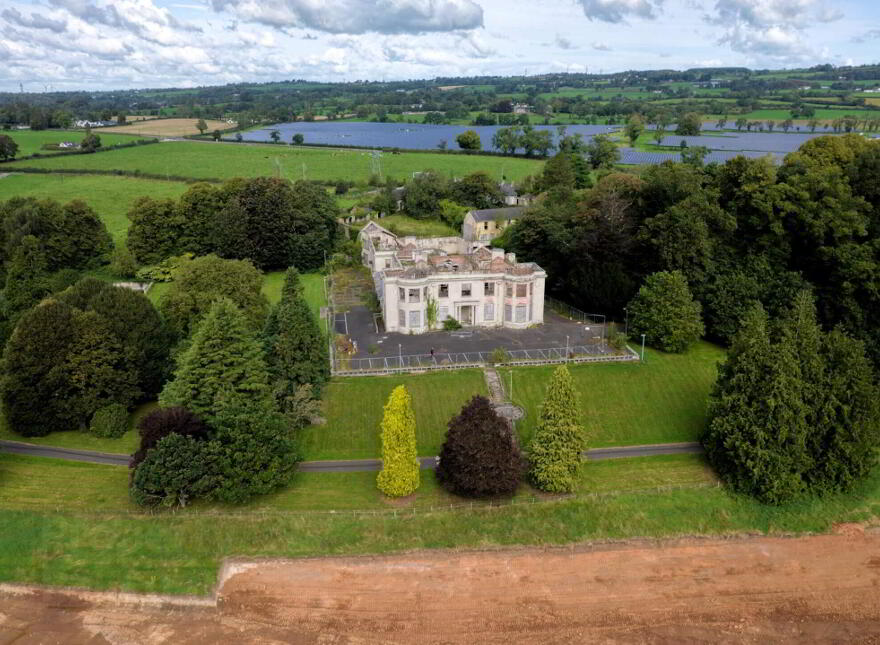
x=118, y=44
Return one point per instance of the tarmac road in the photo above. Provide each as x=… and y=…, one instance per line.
x=341, y=465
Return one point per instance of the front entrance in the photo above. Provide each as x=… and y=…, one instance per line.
x=466, y=314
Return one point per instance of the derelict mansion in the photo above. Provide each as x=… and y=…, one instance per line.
x=453, y=277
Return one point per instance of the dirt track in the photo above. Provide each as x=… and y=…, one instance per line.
x=816, y=589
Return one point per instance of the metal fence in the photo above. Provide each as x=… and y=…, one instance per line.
x=458, y=360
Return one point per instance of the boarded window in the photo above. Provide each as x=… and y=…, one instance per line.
x=466, y=290
x=489, y=312
x=401, y=294
x=508, y=290
x=521, y=290
x=415, y=319
x=444, y=290
x=520, y=313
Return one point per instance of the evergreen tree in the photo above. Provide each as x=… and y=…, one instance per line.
x=162, y=422
x=296, y=351
x=97, y=370
x=178, y=469
x=199, y=283
x=480, y=456
x=33, y=373
x=224, y=361
x=757, y=433
x=400, y=465
x=26, y=279
x=559, y=441
x=665, y=312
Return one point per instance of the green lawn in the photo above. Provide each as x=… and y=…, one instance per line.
x=659, y=401
x=48, y=538
x=82, y=440
x=111, y=197
x=31, y=141
x=201, y=160
x=313, y=289
x=353, y=410
x=405, y=225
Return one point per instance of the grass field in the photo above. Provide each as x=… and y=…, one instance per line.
x=662, y=400
x=50, y=538
x=353, y=411
x=30, y=141
x=226, y=160
x=313, y=289
x=405, y=225
x=166, y=127
x=111, y=197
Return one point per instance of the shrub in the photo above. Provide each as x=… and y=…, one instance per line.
x=400, y=465
x=110, y=422
x=665, y=311
x=559, y=441
x=165, y=421
x=480, y=456
x=499, y=355
x=451, y=324
x=122, y=263
x=178, y=469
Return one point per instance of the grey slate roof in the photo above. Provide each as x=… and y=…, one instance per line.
x=491, y=214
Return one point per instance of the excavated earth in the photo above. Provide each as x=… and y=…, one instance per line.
x=821, y=589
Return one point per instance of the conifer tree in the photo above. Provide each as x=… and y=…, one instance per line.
x=559, y=441
x=480, y=456
x=27, y=280
x=296, y=352
x=400, y=465
x=33, y=373
x=758, y=420
x=224, y=361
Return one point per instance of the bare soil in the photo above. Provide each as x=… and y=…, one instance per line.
x=821, y=589
x=166, y=127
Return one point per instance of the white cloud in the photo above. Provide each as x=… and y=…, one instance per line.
x=618, y=10
x=600, y=46
x=359, y=16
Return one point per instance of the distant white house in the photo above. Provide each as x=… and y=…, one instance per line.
x=85, y=123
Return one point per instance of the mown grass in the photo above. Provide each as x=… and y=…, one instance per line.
x=313, y=290
x=181, y=552
x=31, y=141
x=659, y=401
x=82, y=439
x=405, y=225
x=227, y=160
x=353, y=410
x=110, y=197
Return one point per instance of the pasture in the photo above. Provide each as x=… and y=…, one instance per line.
x=111, y=197
x=31, y=141
x=166, y=127
x=207, y=160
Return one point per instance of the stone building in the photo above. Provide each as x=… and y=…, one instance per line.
x=420, y=282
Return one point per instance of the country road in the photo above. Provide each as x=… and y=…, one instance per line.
x=341, y=465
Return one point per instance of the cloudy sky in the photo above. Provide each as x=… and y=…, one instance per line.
x=106, y=44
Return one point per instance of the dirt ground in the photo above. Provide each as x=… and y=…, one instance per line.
x=762, y=590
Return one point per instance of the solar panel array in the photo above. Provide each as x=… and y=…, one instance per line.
x=634, y=157
x=757, y=141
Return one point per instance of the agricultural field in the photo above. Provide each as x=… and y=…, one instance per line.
x=207, y=160
x=111, y=197
x=31, y=141
x=181, y=552
x=166, y=127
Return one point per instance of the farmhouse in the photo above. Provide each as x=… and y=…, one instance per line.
x=421, y=282
x=487, y=224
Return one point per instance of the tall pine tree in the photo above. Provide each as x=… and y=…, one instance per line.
x=296, y=351
x=559, y=441
x=223, y=362
x=400, y=465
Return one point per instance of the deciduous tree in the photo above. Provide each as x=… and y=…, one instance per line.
x=665, y=312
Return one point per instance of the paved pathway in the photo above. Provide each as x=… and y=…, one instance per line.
x=341, y=465
x=498, y=396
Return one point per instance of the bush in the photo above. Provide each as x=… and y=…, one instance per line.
x=122, y=263
x=165, y=270
x=177, y=470
x=165, y=421
x=451, y=324
x=110, y=422
x=400, y=465
x=499, y=355
x=480, y=456
x=665, y=312
x=559, y=441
